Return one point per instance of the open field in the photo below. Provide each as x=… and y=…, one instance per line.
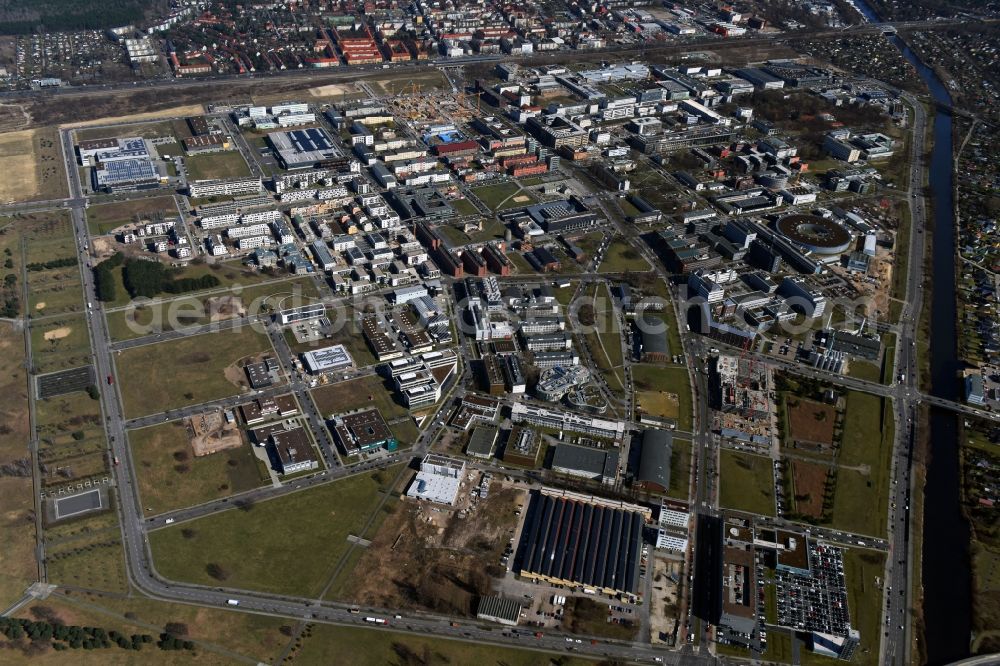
x=70, y=438
x=222, y=637
x=747, y=483
x=861, y=499
x=658, y=380
x=172, y=112
x=499, y=196
x=809, y=483
x=449, y=560
x=621, y=257
x=177, y=313
x=171, y=477
x=58, y=344
x=186, y=371
x=371, y=391
x=56, y=291
x=811, y=421
x=285, y=545
x=864, y=598
x=95, y=562
x=33, y=166
x=103, y=218
x=225, y=164
x=17, y=559
x=680, y=469
x=367, y=647
x=404, y=82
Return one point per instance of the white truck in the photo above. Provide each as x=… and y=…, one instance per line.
x=233, y=602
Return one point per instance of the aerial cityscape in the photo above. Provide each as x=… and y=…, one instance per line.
x=626, y=332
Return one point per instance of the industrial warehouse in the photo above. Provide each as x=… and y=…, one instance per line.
x=582, y=541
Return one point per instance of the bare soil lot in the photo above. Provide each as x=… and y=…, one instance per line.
x=809, y=480
x=811, y=421
x=436, y=560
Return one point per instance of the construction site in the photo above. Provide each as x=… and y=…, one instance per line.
x=439, y=558
x=740, y=393
x=211, y=433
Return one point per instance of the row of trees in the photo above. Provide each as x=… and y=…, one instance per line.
x=74, y=637
x=55, y=263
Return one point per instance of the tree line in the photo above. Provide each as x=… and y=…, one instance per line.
x=55, y=263
x=144, y=278
x=74, y=637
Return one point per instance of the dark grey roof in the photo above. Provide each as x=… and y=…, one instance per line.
x=597, y=462
x=581, y=542
x=654, y=335
x=482, y=441
x=654, y=458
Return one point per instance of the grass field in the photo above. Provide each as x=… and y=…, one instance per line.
x=56, y=291
x=464, y=207
x=127, y=324
x=225, y=164
x=621, y=257
x=747, y=482
x=60, y=343
x=367, y=647
x=170, y=477
x=402, y=84
x=103, y=218
x=222, y=637
x=864, y=599
x=498, y=197
x=811, y=421
x=673, y=379
x=680, y=469
x=17, y=560
x=861, y=500
x=231, y=275
x=285, y=545
x=153, y=129
x=96, y=562
x=32, y=165
x=865, y=370
x=371, y=391
x=186, y=371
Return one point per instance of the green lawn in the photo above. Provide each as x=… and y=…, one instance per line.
x=186, y=371
x=371, y=391
x=170, y=477
x=865, y=370
x=860, y=501
x=497, y=197
x=864, y=599
x=102, y=218
x=287, y=545
x=95, y=562
x=621, y=257
x=61, y=343
x=672, y=379
x=464, y=207
x=55, y=291
x=226, y=164
x=747, y=482
x=680, y=469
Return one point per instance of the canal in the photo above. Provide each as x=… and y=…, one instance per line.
x=946, y=573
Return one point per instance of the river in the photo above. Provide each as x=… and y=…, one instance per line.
x=946, y=565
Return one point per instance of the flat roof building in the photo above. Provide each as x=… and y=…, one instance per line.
x=582, y=542
x=438, y=480
x=483, y=441
x=334, y=357
x=292, y=452
x=303, y=148
x=586, y=462
x=362, y=432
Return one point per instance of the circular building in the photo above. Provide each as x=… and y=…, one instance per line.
x=816, y=234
